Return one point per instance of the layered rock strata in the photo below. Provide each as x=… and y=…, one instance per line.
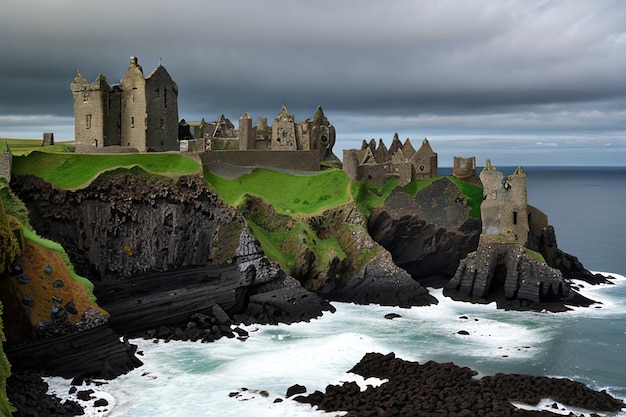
x=506, y=273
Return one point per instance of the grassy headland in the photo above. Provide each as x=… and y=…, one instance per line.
x=25, y=146
x=70, y=170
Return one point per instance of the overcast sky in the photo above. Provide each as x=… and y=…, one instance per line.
x=530, y=82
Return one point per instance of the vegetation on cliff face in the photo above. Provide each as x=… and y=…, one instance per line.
x=366, y=196
x=69, y=170
x=9, y=249
x=315, y=226
x=5, y=372
x=16, y=208
x=473, y=192
x=309, y=224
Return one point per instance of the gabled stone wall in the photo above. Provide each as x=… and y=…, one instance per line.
x=377, y=164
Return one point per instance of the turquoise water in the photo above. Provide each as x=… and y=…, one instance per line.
x=586, y=344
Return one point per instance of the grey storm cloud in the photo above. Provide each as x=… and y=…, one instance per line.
x=535, y=65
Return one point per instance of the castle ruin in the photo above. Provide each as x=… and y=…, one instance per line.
x=502, y=265
x=504, y=210
x=377, y=164
x=140, y=113
x=285, y=144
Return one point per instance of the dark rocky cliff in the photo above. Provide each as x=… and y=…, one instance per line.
x=168, y=258
x=428, y=234
x=129, y=223
x=433, y=237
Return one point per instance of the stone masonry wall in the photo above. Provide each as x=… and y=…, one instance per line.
x=6, y=160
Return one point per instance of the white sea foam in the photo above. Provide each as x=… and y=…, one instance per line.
x=195, y=379
x=547, y=404
x=610, y=298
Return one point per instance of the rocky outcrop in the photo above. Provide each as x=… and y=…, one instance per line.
x=362, y=273
x=544, y=241
x=28, y=394
x=434, y=389
x=94, y=352
x=383, y=283
x=506, y=273
x=428, y=234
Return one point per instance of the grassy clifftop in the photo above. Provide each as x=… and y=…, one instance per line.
x=70, y=170
x=307, y=221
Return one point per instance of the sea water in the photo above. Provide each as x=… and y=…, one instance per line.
x=245, y=378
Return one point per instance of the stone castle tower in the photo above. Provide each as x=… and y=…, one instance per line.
x=247, y=133
x=140, y=112
x=504, y=210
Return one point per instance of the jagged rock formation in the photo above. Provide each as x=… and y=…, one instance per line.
x=428, y=234
x=382, y=282
x=434, y=389
x=505, y=272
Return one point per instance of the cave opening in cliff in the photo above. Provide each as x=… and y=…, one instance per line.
x=496, y=288
x=549, y=295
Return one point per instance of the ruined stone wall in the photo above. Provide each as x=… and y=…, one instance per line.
x=112, y=119
x=303, y=135
x=351, y=164
x=285, y=159
x=424, y=166
x=284, y=136
x=376, y=174
x=504, y=210
x=48, y=139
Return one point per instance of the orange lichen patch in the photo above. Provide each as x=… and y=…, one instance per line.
x=50, y=285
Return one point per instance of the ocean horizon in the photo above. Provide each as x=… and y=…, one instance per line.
x=245, y=378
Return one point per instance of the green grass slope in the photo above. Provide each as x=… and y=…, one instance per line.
x=25, y=146
x=287, y=193
x=69, y=170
